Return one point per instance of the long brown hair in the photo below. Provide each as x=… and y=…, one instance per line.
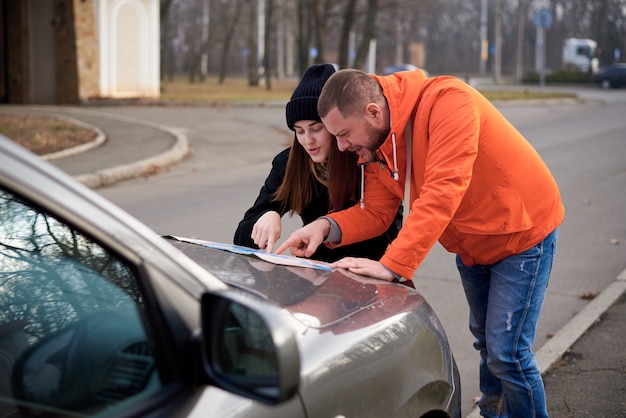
x=296, y=190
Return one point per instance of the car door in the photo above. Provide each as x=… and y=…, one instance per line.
x=74, y=337
x=620, y=76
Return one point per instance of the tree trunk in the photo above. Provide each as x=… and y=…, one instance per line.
x=253, y=68
x=304, y=27
x=369, y=31
x=166, y=41
x=195, y=69
x=344, y=41
x=228, y=40
x=319, y=32
x=269, y=7
x=521, y=20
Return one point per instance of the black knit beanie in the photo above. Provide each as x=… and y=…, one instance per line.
x=303, y=103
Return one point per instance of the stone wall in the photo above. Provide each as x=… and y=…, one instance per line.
x=18, y=82
x=66, y=65
x=87, y=49
x=66, y=71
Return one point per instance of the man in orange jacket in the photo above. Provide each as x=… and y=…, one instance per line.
x=475, y=184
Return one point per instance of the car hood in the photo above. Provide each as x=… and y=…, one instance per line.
x=317, y=298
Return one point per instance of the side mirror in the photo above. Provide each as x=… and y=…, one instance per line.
x=248, y=347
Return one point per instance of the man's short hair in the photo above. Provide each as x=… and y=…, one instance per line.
x=349, y=90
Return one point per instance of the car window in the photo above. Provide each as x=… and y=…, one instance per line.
x=72, y=338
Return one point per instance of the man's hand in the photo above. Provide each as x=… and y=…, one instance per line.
x=304, y=241
x=365, y=267
x=266, y=231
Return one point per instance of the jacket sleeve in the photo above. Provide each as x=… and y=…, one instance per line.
x=451, y=126
x=379, y=209
x=264, y=202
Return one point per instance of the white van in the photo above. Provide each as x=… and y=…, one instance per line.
x=579, y=54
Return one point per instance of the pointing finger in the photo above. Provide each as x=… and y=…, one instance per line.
x=270, y=245
x=283, y=247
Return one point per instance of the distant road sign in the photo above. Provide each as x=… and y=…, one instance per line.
x=543, y=18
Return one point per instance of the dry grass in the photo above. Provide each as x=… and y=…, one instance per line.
x=232, y=90
x=43, y=135
x=524, y=95
x=179, y=90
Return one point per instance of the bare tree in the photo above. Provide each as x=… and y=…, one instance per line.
x=166, y=44
x=253, y=65
x=349, y=15
x=195, y=69
x=369, y=30
x=608, y=23
x=453, y=32
x=519, y=49
x=444, y=33
x=191, y=26
x=319, y=31
x=304, y=29
x=228, y=38
x=269, y=7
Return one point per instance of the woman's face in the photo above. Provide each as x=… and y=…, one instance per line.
x=314, y=138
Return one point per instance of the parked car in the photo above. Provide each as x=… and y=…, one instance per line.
x=402, y=67
x=100, y=316
x=611, y=76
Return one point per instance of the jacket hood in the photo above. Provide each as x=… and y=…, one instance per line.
x=403, y=91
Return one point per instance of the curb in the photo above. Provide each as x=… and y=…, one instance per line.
x=552, y=350
x=110, y=176
x=557, y=101
x=100, y=139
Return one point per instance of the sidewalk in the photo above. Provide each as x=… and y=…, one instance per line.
x=589, y=380
x=124, y=148
x=583, y=364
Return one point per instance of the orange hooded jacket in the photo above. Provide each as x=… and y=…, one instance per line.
x=477, y=185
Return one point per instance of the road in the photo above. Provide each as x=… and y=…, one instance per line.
x=583, y=143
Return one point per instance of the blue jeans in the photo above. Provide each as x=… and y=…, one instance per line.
x=505, y=301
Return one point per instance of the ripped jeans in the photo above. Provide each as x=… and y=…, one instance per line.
x=505, y=301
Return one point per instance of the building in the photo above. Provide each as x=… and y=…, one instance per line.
x=73, y=51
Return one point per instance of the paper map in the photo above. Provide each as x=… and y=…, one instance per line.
x=283, y=260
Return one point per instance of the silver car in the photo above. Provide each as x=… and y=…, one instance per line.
x=99, y=316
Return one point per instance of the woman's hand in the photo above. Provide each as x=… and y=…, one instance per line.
x=266, y=231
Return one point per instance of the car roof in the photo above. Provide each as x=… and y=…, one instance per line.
x=612, y=66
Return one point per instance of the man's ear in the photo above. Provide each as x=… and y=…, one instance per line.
x=374, y=113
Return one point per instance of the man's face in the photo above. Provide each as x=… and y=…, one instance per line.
x=361, y=135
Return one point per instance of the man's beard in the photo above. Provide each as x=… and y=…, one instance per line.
x=378, y=137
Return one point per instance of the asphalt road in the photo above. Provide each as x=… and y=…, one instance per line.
x=583, y=143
